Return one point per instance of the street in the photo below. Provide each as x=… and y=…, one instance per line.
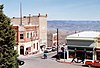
x=37, y=62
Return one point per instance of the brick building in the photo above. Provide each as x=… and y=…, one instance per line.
x=31, y=33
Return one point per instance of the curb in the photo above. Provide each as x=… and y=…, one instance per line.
x=64, y=62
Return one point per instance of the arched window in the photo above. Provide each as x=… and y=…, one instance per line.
x=37, y=46
x=34, y=45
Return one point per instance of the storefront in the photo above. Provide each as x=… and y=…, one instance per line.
x=28, y=48
x=83, y=45
x=81, y=52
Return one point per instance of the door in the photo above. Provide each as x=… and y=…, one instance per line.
x=21, y=50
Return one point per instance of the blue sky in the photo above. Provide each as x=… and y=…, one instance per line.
x=56, y=9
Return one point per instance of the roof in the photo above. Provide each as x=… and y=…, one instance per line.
x=85, y=35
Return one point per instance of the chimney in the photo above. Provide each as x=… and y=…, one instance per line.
x=29, y=19
x=13, y=17
x=39, y=15
x=46, y=15
x=24, y=17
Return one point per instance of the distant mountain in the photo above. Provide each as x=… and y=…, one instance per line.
x=74, y=25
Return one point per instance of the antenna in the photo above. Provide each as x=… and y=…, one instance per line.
x=20, y=13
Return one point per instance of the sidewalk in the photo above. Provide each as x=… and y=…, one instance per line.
x=27, y=56
x=68, y=62
x=34, y=55
x=64, y=61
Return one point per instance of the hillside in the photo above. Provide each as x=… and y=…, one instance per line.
x=69, y=27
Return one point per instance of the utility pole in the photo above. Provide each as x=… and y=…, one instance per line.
x=57, y=41
x=64, y=51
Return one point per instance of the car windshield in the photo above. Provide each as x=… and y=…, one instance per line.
x=48, y=48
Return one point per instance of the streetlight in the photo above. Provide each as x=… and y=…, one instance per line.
x=58, y=57
x=64, y=51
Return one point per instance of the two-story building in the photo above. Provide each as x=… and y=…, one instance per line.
x=31, y=33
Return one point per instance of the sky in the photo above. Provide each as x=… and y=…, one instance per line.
x=56, y=9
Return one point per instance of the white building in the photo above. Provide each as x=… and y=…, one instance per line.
x=83, y=44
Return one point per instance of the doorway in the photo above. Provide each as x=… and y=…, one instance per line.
x=21, y=50
x=80, y=54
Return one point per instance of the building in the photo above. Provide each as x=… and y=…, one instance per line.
x=31, y=33
x=54, y=39
x=83, y=45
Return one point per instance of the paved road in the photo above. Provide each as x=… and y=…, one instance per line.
x=45, y=63
x=37, y=62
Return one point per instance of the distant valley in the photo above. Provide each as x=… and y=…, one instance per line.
x=74, y=25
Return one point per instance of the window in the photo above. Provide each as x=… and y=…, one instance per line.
x=27, y=35
x=37, y=46
x=31, y=34
x=28, y=49
x=36, y=33
x=98, y=55
x=34, y=45
x=71, y=54
x=89, y=55
x=21, y=36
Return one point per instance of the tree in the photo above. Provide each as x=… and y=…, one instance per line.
x=8, y=56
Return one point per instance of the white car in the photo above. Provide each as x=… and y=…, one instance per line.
x=49, y=49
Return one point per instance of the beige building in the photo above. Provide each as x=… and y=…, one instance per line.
x=31, y=33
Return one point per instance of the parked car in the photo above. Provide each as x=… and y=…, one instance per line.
x=20, y=62
x=54, y=48
x=49, y=49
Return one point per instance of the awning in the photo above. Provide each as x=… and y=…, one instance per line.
x=81, y=48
